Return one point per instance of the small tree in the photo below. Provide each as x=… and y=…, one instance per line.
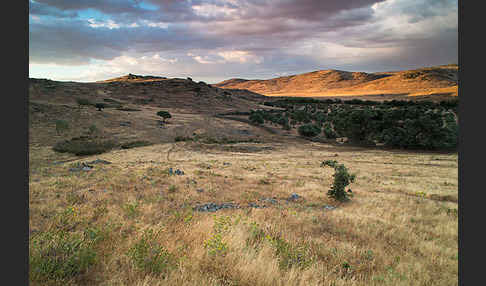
x=100, y=106
x=164, y=115
x=341, y=179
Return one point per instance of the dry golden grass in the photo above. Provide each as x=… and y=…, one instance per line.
x=400, y=228
x=436, y=81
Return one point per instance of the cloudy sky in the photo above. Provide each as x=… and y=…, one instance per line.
x=90, y=40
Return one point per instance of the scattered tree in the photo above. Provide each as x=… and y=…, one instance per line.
x=164, y=114
x=341, y=179
x=100, y=106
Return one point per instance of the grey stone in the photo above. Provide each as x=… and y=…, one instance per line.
x=269, y=200
x=294, y=197
x=99, y=161
x=212, y=207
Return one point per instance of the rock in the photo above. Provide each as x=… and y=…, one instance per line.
x=243, y=131
x=294, y=197
x=253, y=205
x=327, y=207
x=212, y=207
x=83, y=167
x=269, y=200
x=99, y=161
x=342, y=140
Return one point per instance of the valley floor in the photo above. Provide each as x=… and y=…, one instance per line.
x=400, y=227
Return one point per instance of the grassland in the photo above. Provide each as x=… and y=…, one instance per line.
x=131, y=222
x=399, y=229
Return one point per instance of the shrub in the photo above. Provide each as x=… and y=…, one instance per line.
x=83, y=101
x=149, y=256
x=290, y=255
x=60, y=256
x=128, y=109
x=309, y=130
x=131, y=209
x=256, y=118
x=61, y=126
x=83, y=146
x=134, y=144
x=341, y=179
x=93, y=129
x=164, y=114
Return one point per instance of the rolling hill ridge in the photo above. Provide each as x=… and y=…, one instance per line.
x=441, y=80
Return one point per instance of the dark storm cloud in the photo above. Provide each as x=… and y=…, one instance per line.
x=75, y=42
x=105, y=6
x=279, y=35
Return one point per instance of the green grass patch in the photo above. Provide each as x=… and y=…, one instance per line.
x=134, y=144
x=84, y=146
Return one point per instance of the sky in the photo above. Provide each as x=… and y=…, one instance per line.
x=215, y=40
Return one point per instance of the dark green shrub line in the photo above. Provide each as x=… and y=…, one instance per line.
x=81, y=146
x=134, y=144
x=412, y=126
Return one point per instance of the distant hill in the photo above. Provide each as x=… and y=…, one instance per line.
x=148, y=90
x=440, y=80
x=134, y=78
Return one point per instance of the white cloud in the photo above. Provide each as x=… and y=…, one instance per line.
x=110, y=24
x=161, y=25
x=240, y=56
x=211, y=10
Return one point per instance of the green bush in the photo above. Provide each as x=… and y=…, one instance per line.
x=164, y=114
x=83, y=101
x=93, y=129
x=60, y=255
x=61, y=126
x=256, y=118
x=309, y=130
x=150, y=256
x=290, y=255
x=341, y=179
x=83, y=146
x=134, y=144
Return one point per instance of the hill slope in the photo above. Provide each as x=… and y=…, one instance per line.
x=425, y=81
x=147, y=90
